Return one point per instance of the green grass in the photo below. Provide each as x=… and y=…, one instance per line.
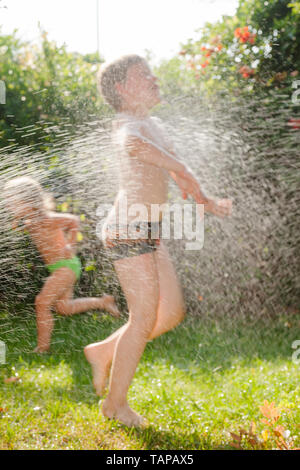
x=194, y=384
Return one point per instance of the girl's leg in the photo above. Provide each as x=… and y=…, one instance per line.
x=54, y=288
x=66, y=305
x=139, y=281
x=169, y=314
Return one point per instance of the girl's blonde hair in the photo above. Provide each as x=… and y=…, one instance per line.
x=112, y=73
x=27, y=190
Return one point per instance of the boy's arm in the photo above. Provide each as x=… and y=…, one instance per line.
x=189, y=186
x=220, y=208
x=68, y=223
x=150, y=153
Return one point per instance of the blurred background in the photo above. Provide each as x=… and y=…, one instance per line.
x=229, y=75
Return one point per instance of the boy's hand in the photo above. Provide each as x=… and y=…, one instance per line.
x=189, y=186
x=220, y=208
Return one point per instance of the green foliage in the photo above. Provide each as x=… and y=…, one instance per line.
x=44, y=84
x=255, y=49
x=295, y=6
x=248, y=66
x=280, y=26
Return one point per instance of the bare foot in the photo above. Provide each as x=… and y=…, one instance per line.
x=123, y=414
x=110, y=305
x=95, y=355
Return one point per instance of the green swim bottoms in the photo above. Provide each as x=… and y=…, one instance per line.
x=72, y=263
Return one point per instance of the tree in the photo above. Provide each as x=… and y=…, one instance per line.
x=257, y=47
x=44, y=84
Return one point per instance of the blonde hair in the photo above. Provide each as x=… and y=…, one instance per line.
x=27, y=190
x=112, y=73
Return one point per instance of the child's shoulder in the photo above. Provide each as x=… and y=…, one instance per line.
x=124, y=120
x=58, y=217
x=127, y=125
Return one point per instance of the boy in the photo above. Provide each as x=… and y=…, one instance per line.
x=143, y=266
x=55, y=237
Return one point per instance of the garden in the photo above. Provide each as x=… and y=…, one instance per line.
x=227, y=377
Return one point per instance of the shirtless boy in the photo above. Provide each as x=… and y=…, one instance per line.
x=143, y=266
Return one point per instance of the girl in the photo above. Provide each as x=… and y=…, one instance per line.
x=55, y=237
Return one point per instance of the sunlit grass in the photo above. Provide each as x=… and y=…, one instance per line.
x=195, y=384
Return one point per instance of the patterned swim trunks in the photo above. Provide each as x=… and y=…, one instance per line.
x=119, y=245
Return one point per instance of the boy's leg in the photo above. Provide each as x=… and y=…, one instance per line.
x=170, y=313
x=100, y=356
x=171, y=308
x=54, y=287
x=66, y=305
x=139, y=281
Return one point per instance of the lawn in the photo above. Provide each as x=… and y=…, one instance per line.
x=195, y=384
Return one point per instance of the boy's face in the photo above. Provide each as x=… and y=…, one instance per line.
x=140, y=91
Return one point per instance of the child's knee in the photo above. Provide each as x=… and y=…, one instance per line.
x=61, y=307
x=144, y=324
x=41, y=303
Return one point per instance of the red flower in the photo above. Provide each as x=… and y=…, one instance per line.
x=294, y=123
x=237, y=32
x=244, y=35
x=246, y=71
x=252, y=38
